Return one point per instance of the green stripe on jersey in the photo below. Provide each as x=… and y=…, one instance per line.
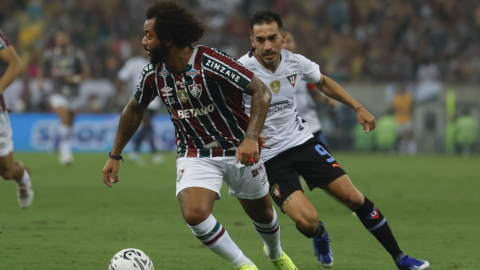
x=143, y=76
x=211, y=233
x=233, y=75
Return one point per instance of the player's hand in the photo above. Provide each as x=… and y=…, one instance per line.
x=110, y=172
x=264, y=140
x=366, y=119
x=248, y=149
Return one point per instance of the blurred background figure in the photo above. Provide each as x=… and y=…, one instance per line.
x=129, y=74
x=67, y=67
x=403, y=109
x=308, y=98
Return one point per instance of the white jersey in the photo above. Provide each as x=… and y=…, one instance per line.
x=284, y=128
x=130, y=72
x=306, y=106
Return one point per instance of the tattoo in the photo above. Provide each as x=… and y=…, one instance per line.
x=261, y=97
x=288, y=199
x=130, y=120
x=182, y=197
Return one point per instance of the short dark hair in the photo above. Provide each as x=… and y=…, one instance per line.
x=265, y=17
x=175, y=22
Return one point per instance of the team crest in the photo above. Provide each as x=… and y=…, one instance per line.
x=179, y=175
x=164, y=73
x=182, y=95
x=275, y=85
x=195, y=90
x=275, y=191
x=373, y=214
x=292, y=79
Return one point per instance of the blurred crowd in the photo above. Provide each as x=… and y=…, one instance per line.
x=352, y=40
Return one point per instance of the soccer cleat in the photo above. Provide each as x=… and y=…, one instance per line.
x=135, y=158
x=246, y=266
x=409, y=263
x=321, y=248
x=25, y=194
x=283, y=262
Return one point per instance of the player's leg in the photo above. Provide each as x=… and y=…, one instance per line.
x=250, y=185
x=15, y=170
x=156, y=157
x=60, y=105
x=198, y=186
x=372, y=219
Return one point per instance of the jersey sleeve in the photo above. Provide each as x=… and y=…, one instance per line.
x=225, y=70
x=4, y=43
x=310, y=70
x=146, y=87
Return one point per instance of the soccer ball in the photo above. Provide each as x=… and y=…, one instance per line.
x=131, y=259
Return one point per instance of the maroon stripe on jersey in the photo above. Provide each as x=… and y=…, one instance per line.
x=216, y=116
x=2, y=103
x=147, y=92
x=193, y=121
x=4, y=39
x=234, y=64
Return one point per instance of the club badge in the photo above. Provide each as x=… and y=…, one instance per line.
x=292, y=79
x=195, y=90
x=182, y=95
x=275, y=85
x=275, y=191
x=179, y=175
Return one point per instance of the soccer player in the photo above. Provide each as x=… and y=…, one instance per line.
x=129, y=74
x=10, y=169
x=67, y=67
x=307, y=98
x=293, y=149
x=217, y=142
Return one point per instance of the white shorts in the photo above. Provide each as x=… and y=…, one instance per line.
x=244, y=182
x=404, y=128
x=57, y=100
x=6, y=142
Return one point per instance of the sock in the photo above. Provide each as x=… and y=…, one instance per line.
x=270, y=233
x=65, y=140
x=212, y=234
x=24, y=179
x=320, y=233
x=376, y=223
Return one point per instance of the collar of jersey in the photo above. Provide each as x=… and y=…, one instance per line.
x=279, y=65
x=189, y=66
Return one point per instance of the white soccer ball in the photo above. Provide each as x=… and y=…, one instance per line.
x=131, y=259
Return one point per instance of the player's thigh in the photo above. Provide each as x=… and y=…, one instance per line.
x=245, y=182
x=316, y=164
x=60, y=105
x=6, y=146
x=6, y=166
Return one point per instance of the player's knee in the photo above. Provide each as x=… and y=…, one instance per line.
x=355, y=200
x=194, y=215
x=308, y=224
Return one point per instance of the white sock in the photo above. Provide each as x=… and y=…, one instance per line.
x=24, y=179
x=212, y=234
x=65, y=146
x=270, y=234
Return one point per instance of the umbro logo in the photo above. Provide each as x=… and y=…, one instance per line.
x=166, y=89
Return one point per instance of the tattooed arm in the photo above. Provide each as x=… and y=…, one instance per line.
x=261, y=97
x=130, y=120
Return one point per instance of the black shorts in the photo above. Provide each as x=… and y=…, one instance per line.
x=312, y=160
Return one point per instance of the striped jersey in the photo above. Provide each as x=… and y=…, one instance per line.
x=4, y=43
x=204, y=100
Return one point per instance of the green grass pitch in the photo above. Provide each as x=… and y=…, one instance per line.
x=76, y=222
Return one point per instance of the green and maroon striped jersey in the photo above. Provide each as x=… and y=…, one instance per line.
x=205, y=101
x=4, y=43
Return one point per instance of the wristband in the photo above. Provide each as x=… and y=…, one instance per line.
x=358, y=108
x=115, y=157
x=251, y=160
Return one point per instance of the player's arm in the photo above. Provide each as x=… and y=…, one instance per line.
x=261, y=97
x=10, y=57
x=333, y=90
x=130, y=120
x=319, y=97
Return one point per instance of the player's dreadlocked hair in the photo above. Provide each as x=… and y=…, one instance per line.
x=175, y=22
x=266, y=17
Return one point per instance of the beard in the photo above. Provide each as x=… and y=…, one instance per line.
x=157, y=54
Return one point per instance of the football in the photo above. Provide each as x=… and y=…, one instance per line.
x=131, y=259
